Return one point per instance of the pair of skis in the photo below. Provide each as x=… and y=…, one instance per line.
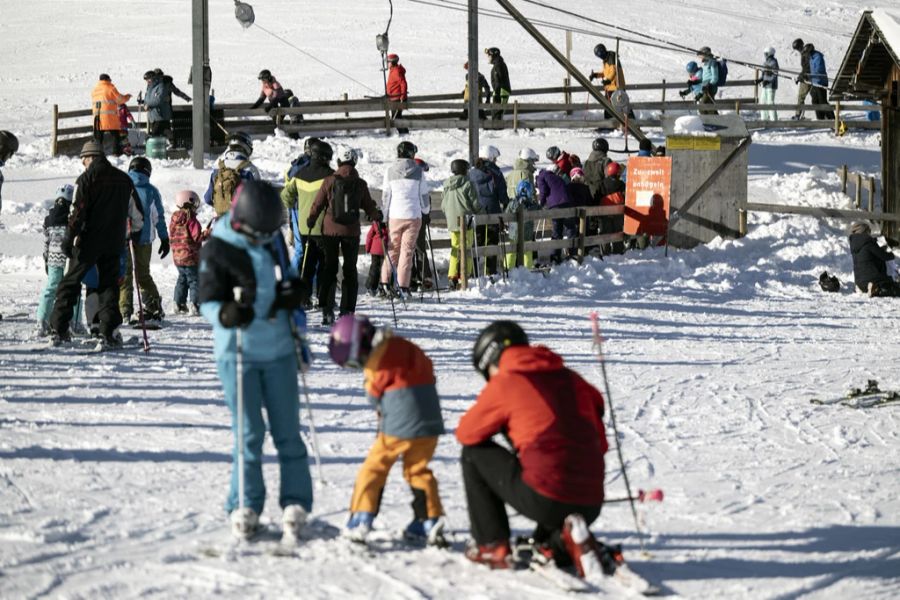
x=869, y=397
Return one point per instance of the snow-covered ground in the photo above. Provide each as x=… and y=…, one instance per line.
x=113, y=469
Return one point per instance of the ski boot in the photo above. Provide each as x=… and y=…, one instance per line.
x=496, y=555
x=181, y=309
x=359, y=526
x=194, y=310
x=244, y=523
x=60, y=338
x=429, y=531
x=292, y=521
x=327, y=318
x=583, y=548
x=110, y=342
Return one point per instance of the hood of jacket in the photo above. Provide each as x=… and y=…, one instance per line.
x=529, y=359
x=523, y=165
x=405, y=168
x=314, y=171
x=597, y=155
x=454, y=182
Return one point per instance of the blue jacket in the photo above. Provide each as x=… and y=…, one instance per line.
x=817, y=73
x=710, y=75
x=264, y=340
x=490, y=186
x=158, y=108
x=151, y=203
x=770, y=75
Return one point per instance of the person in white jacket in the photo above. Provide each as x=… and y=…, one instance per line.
x=404, y=199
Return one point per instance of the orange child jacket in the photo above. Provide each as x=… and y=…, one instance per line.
x=396, y=84
x=553, y=418
x=105, y=101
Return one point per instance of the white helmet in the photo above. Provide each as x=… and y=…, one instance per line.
x=770, y=51
x=347, y=155
x=528, y=154
x=65, y=192
x=489, y=152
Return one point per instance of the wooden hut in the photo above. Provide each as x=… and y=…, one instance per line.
x=871, y=71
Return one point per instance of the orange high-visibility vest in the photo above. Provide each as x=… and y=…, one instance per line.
x=105, y=101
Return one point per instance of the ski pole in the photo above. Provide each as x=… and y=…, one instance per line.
x=137, y=286
x=384, y=247
x=475, y=251
x=502, y=236
x=305, y=255
x=312, y=426
x=394, y=278
x=239, y=342
x=434, y=273
x=598, y=346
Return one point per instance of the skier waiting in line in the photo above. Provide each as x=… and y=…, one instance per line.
x=9, y=145
x=400, y=383
x=375, y=250
x=422, y=278
x=523, y=170
x=562, y=161
x=553, y=192
x=813, y=80
x=341, y=197
x=595, y=165
x=490, y=186
x=231, y=169
x=55, y=225
x=458, y=199
x=396, y=89
x=554, y=420
x=404, y=199
x=499, y=80
x=186, y=237
x=612, y=193
x=524, y=198
x=294, y=237
x=238, y=290
x=870, y=263
x=484, y=89
x=769, y=81
x=154, y=224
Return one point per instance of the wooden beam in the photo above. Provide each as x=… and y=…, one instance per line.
x=823, y=212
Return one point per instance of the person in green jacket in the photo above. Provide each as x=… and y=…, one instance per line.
x=459, y=199
x=523, y=170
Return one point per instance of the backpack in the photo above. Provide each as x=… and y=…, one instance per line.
x=224, y=185
x=346, y=200
x=723, y=72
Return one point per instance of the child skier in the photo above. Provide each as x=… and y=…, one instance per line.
x=525, y=199
x=55, y=225
x=400, y=383
x=375, y=249
x=239, y=289
x=459, y=199
x=186, y=235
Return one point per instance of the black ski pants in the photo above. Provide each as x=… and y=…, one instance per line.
x=69, y=291
x=421, y=267
x=332, y=247
x=374, y=277
x=820, y=96
x=487, y=235
x=493, y=478
x=312, y=263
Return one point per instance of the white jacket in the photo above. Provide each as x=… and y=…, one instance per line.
x=405, y=194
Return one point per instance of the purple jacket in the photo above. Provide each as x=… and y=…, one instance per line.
x=552, y=190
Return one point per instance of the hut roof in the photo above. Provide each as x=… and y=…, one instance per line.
x=873, y=51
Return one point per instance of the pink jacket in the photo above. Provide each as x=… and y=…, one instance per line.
x=373, y=241
x=272, y=91
x=185, y=236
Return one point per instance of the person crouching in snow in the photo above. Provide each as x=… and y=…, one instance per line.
x=186, y=236
x=400, y=383
x=870, y=263
x=238, y=290
x=554, y=420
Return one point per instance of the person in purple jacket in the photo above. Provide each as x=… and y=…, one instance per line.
x=553, y=193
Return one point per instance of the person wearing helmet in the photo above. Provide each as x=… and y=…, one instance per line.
x=299, y=193
x=341, y=197
x=612, y=193
x=484, y=90
x=9, y=145
x=694, y=87
x=553, y=192
x=55, y=225
x=154, y=224
x=233, y=167
x=595, y=165
x=499, y=80
x=106, y=206
x=709, y=79
x=562, y=160
x=186, y=236
x=523, y=170
x=405, y=197
x=769, y=81
x=524, y=198
x=396, y=88
x=105, y=101
x=400, y=382
x=611, y=76
x=554, y=421
x=422, y=278
x=490, y=186
x=271, y=90
x=294, y=238
x=458, y=199
x=239, y=289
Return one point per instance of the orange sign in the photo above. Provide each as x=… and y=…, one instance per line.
x=647, y=195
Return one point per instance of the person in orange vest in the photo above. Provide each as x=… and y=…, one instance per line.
x=105, y=101
x=396, y=86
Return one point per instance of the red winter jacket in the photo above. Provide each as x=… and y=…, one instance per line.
x=373, y=241
x=396, y=84
x=185, y=236
x=553, y=418
x=564, y=163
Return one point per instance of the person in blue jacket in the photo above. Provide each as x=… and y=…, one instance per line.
x=694, y=86
x=818, y=79
x=154, y=225
x=490, y=187
x=239, y=289
x=709, y=79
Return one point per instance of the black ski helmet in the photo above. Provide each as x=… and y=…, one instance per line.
x=600, y=145
x=797, y=45
x=9, y=145
x=553, y=152
x=646, y=145
x=265, y=75
x=243, y=141
x=149, y=75
x=492, y=341
x=600, y=51
x=459, y=167
x=308, y=144
x=256, y=211
x=406, y=150
x=320, y=151
x=141, y=165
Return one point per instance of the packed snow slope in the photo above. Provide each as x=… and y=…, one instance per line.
x=114, y=468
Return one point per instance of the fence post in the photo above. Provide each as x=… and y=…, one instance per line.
x=54, y=140
x=346, y=114
x=515, y=115
x=842, y=173
x=463, y=253
x=737, y=107
x=871, y=186
x=742, y=221
x=664, y=97
x=582, y=231
x=837, y=118
x=858, y=189
x=520, y=236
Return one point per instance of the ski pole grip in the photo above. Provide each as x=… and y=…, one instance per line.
x=650, y=495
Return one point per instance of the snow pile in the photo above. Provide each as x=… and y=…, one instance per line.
x=690, y=125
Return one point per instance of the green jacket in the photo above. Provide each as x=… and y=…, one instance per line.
x=522, y=171
x=300, y=191
x=458, y=199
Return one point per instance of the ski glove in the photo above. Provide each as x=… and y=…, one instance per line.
x=163, y=247
x=290, y=294
x=684, y=93
x=593, y=76
x=233, y=314
x=311, y=221
x=606, y=81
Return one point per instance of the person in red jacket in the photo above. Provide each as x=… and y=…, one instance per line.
x=375, y=249
x=554, y=421
x=396, y=86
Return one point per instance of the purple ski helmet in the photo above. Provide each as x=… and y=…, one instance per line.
x=350, y=341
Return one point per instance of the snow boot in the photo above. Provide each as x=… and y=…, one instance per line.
x=496, y=555
x=181, y=309
x=327, y=319
x=583, y=548
x=57, y=338
x=244, y=523
x=359, y=526
x=292, y=520
x=430, y=532
x=194, y=310
x=110, y=342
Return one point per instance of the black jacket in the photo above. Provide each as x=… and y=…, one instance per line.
x=225, y=267
x=869, y=260
x=595, y=171
x=99, y=217
x=500, y=76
